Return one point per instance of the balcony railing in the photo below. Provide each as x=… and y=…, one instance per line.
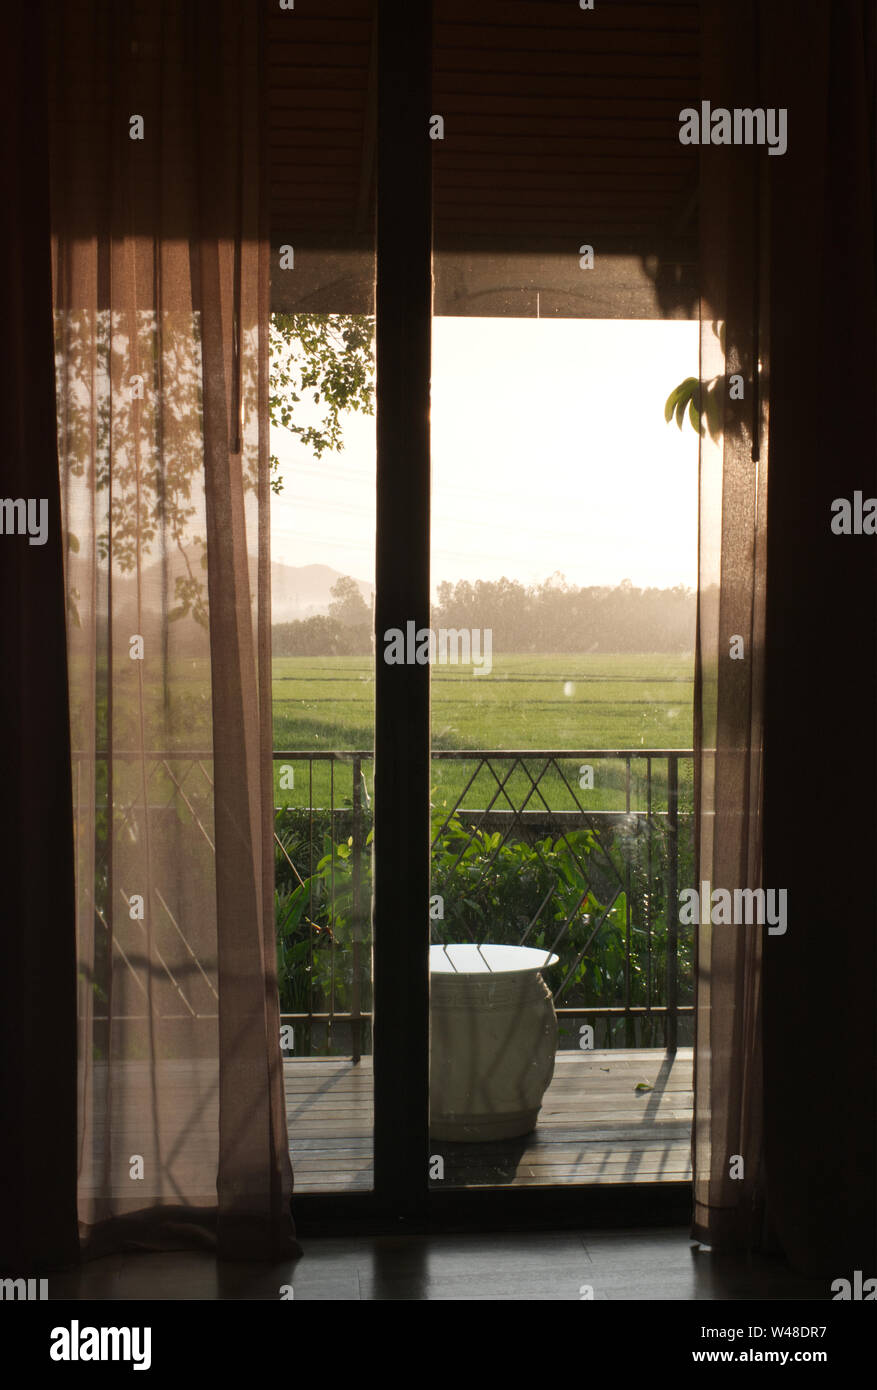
x=608, y=859
x=494, y=800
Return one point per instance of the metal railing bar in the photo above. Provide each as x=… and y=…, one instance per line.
x=515, y=812
x=515, y=818
x=160, y=958
x=617, y=1010
x=456, y=806
x=189, y=807
x=207, y=754
x=101, y=859
x=581, y=953
x=344, y=1017
x=540, y=909
x=311, y=883
x=283, y=851
x=616, y=754
x=569, y=921
x=534, y=810
x=550, y=816
x=439, y=754
x=142, y=1018
x=627, y=932
x=648, y=902
x=323, y=755
x=182, y=937
x=121, y=950
x=562, y=1011
x=670, y=960
x=572, y=817
x=332, y=894
x=357, y=932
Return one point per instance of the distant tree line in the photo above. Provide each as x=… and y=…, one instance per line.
x=320, y=636
x=559, y=617
x=551, y=617
x=345, y=631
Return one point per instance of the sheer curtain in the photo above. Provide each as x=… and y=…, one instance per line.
x=161, y=300
x=729, y=673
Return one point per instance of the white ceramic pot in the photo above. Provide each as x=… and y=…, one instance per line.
x=493, y=1039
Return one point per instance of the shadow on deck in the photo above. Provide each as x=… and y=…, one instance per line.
x=594, y=1126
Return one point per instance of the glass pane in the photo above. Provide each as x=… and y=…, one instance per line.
x=322, y=578
x=564, y=573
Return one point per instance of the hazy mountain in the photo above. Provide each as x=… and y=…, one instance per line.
x=300, y=591
x=297, y=591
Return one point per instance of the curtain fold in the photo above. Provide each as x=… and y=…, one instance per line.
x=161, y=296
x=730, y=656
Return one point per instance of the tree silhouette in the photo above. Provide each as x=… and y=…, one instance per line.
x=129, y=394
x=348, y=604
x=329, y=356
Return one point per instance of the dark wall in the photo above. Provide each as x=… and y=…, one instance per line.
x=820, y=988
x=38, y=975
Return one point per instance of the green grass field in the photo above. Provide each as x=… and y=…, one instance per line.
x=526, y=702
x=325, y=704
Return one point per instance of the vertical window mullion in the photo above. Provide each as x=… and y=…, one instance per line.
x=402, y=734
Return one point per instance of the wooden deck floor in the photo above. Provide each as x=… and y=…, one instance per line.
x=594, y=1126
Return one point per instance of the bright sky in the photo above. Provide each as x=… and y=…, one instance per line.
x=549, y=453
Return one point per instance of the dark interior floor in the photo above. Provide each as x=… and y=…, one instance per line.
x=530, y=1266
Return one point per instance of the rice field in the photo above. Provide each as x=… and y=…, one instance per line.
x=542, y=703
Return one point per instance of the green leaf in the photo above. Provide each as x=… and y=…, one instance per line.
x=670, y=404
x=73, y=542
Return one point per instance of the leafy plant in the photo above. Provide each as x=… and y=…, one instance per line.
x=687, y=393
x=540, y=894
x=702, y=399
x=329, y=357
x=156, y=464
x=571, y=893
x=316, y=918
